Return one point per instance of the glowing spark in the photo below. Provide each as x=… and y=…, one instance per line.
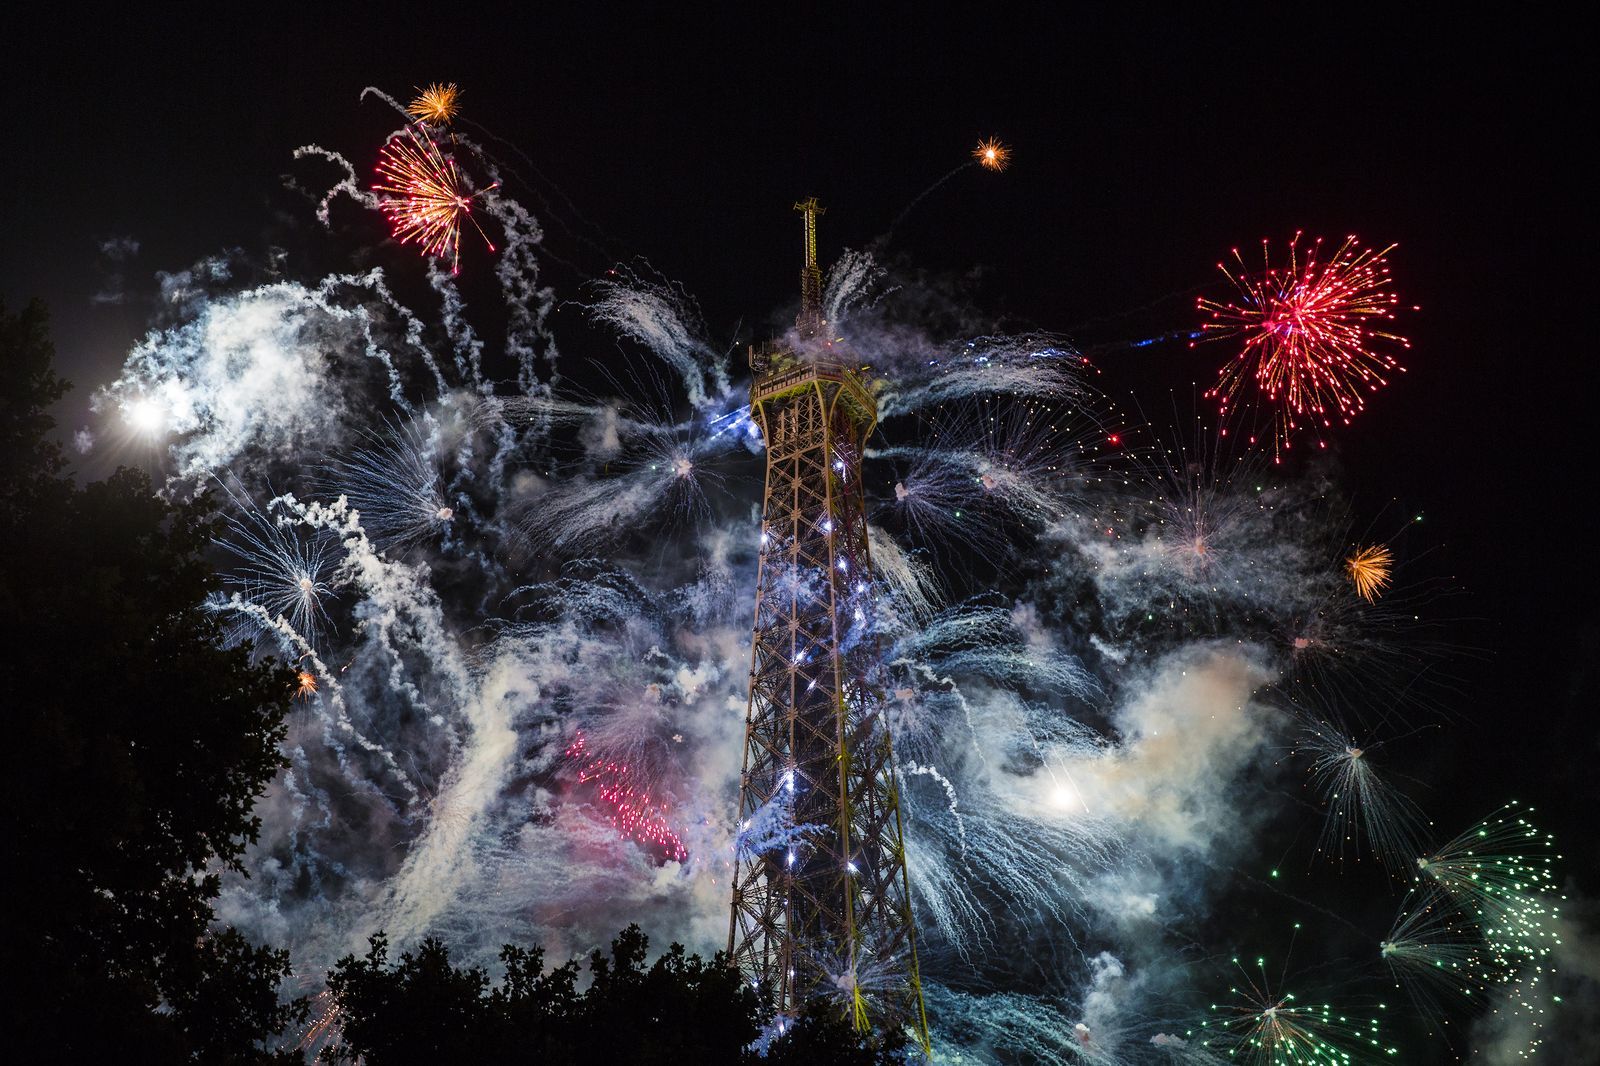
x=435, y=105
x=1314, y=341
x=325, y=1021
x=145, y=415
x=633, y=811
x=427, y=196
x=306, y=685
x=992, y=155
x=1369, y=568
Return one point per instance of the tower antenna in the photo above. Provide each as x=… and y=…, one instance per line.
x=809, y=321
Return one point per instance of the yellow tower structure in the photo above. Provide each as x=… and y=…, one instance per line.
x=821, y=899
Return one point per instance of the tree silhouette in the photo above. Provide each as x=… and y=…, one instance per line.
x=140, y=747
x=680, y=1009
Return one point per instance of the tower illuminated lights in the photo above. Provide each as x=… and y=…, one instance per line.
x=821, y=905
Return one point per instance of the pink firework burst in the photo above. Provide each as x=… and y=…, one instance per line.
x=1316, y=336
x=634, y=812
x=425, y=197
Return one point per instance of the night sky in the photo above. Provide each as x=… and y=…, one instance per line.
x=1145, y=148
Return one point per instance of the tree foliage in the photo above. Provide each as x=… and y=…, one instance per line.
x=679, y=1009
x=143, y=746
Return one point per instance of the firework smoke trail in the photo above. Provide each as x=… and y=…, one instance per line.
x=349, y=185
x=854, y=283
x=910, y=590
x=1081, y=750
x=989, y=469
x=658, y=314
x=255, y=371
x=1029, y=365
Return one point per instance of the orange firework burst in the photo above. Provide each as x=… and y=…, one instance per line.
x=305, y=684
x=992, y=155
x=1315, y=336
x=1369, y=569
x=435, y=105
x=427, y=198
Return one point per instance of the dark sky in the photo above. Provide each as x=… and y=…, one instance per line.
x=1146, y=147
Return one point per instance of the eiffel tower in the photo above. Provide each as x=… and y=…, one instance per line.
x=821, y=900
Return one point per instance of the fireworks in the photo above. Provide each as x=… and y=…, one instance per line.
x=427, y=196
x=987, y=464
x=1203, y=521
x=1315, y=335
x=396, y=485
x=1033, y=365
x=1438, y=954
x=1018, y=456
x=1072, y=643
x=653, y=466
x=323, y=1022
x=850, y=984
x=1500, y=873
x=288, y=575
x=990, y=154
x=1369, y=569
x=1480, y=923
x=436, y=105
x=1362, y=806
x=633, y=811
x=657, y=313
x=1267, y=1027
x=676, y=462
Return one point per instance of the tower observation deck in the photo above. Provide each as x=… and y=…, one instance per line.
x=821, y=900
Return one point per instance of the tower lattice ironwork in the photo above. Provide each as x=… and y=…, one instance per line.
x=821, y=900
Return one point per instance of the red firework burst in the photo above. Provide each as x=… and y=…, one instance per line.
x=633, y=811
x=426, y=197
x=1315, y=336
